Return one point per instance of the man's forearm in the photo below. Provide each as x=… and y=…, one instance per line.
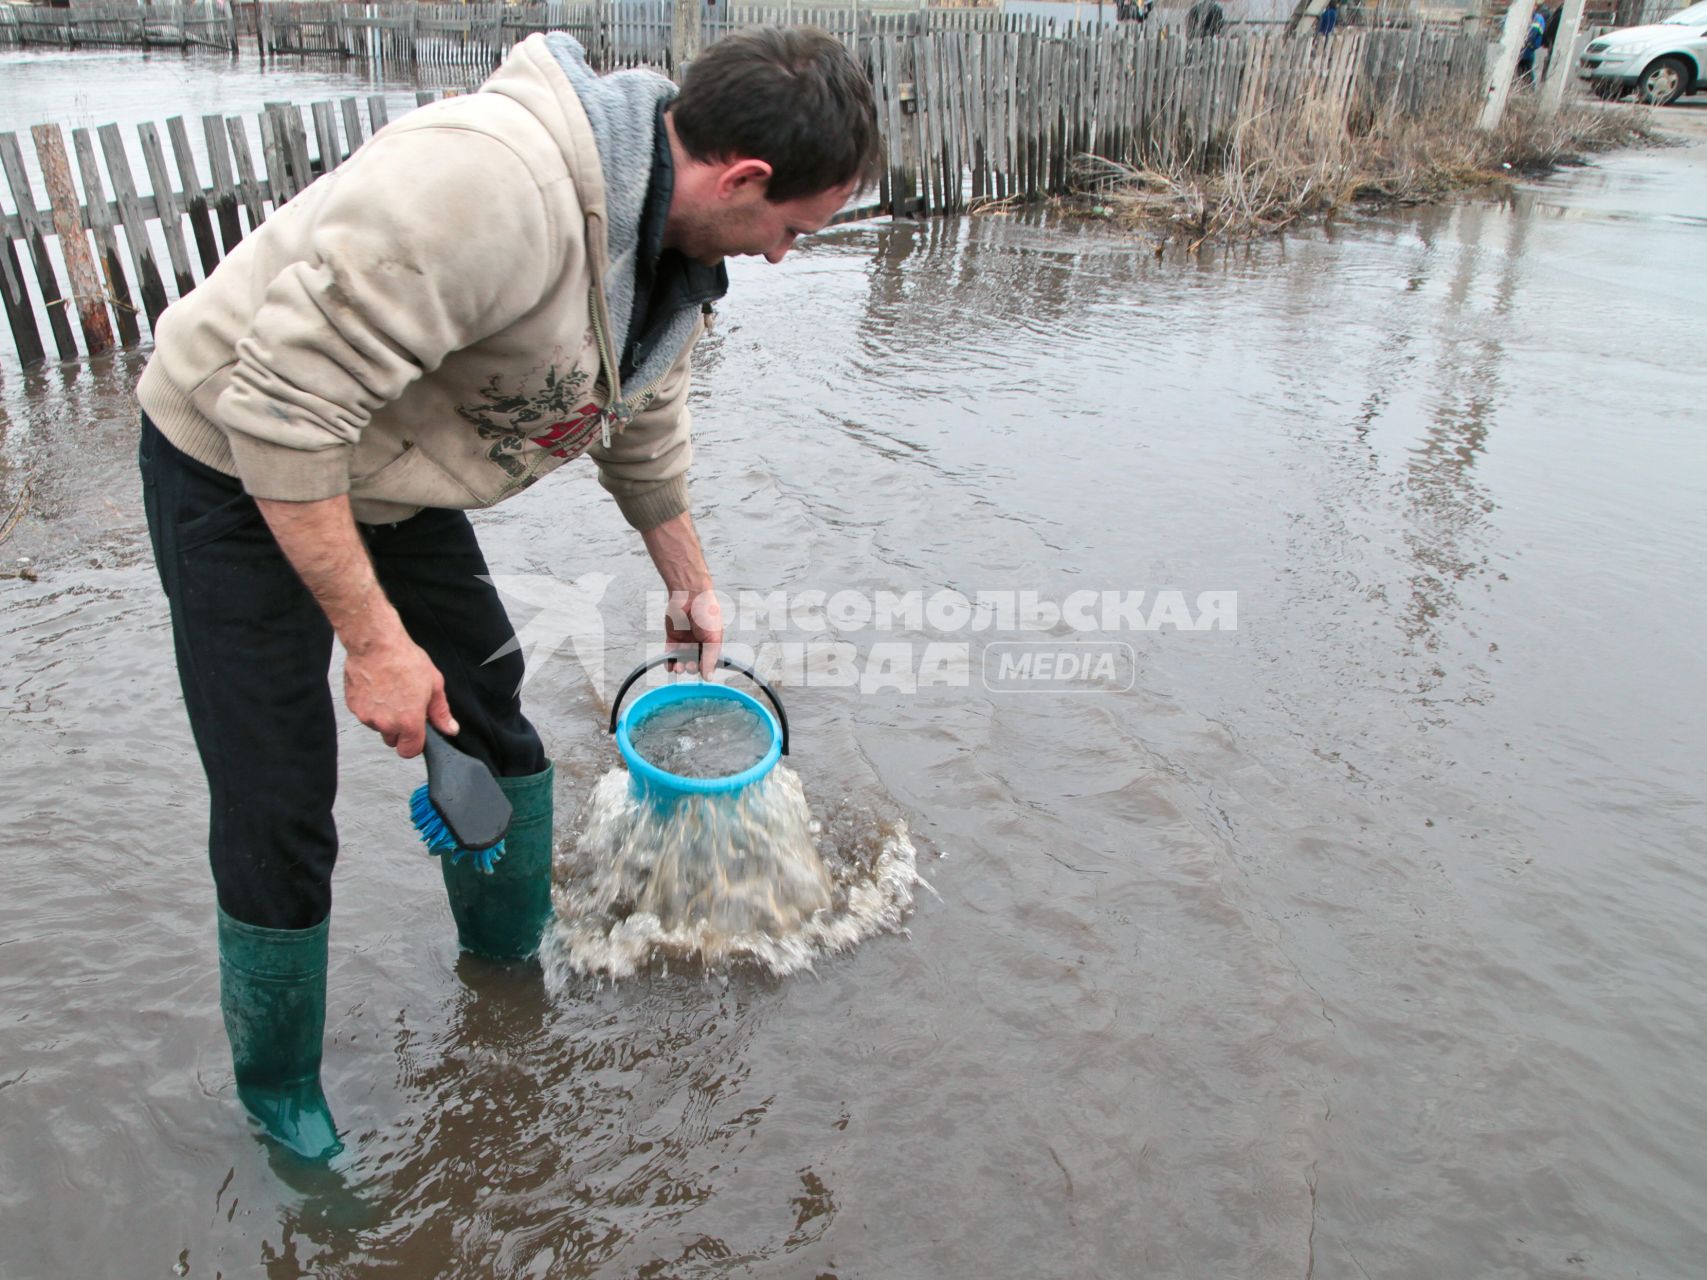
x=390, y=685
x=322, y=544
x=693, y=614
x=675, y=550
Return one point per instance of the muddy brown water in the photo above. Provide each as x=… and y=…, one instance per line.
x=1362, y=940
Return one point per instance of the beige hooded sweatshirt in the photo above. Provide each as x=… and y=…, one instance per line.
x=431, y=323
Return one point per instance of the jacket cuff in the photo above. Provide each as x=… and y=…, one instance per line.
x=650, y=509
x=282, y=474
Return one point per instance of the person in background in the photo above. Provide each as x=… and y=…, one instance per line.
x=1531, y=45
x=1204, y=20
x=1328, y=19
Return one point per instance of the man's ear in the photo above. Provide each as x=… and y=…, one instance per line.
x=740, y=175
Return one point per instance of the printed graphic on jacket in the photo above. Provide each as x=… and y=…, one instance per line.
x=546, y=418
x=544, y=413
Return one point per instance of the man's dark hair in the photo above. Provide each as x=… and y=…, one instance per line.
x=790, y=96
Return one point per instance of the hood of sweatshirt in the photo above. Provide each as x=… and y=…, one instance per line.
x=618, y=113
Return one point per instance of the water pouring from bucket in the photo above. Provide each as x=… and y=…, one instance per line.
x=714, y=844
x=704, y=848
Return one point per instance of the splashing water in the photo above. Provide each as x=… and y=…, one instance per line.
x=703, y=738
x=713, y=879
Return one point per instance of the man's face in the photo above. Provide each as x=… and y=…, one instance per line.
x=747, y=223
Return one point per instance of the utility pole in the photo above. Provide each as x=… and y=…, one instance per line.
x=1561, y=60
x=1505, y=62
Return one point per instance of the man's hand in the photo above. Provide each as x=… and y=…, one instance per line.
x=695, y=620
x=394, y=689
x=390, y=684
x=694, y=616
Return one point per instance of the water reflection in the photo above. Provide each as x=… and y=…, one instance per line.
x=588, y=1128
x=1449, y=508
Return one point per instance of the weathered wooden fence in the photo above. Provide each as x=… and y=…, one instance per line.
x=135, y=26
x=616, y=32
x=965, y=117
x=249, y=172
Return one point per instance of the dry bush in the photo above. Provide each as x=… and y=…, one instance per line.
x=1313, y=157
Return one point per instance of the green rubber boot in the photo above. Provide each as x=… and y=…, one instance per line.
x=501, y=916
x=272, y=991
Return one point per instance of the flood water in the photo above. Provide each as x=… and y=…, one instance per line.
x=85, y=88
x=1360, y=939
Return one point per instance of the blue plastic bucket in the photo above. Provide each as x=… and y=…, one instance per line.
x=664, y=788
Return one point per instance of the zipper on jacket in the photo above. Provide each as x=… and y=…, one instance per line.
x=618, y=401
x=595, y=304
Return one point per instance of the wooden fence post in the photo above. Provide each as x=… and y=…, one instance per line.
x=87, y=294
x=898, y=100
x=684, y=35
x=905, y=179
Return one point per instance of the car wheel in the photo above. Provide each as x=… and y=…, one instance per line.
x=1663, y=83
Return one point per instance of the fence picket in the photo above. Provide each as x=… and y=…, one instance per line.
x=106, y=241
x=35, y=236
x=352, y=124
x=20, y=315
x=135, y=228
x=326, y=136
x=249, y=186
x=166, y=207
x=195, y=198
x=272, y=154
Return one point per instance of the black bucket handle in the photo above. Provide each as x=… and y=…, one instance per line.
x=676, y=656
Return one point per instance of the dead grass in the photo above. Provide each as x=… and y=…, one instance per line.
x=1304, y=160
x=19, y=509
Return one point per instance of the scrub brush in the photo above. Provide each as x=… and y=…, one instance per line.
x=460, y=809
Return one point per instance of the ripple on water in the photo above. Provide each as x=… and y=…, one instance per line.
x=753, y=878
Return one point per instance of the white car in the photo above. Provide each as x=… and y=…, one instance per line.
x=1661, y=61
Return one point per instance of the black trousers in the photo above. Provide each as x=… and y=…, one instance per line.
x=254, y=651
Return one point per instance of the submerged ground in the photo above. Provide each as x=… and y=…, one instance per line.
x=1361, y=939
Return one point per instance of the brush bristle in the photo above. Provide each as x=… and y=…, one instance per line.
x=438, y=838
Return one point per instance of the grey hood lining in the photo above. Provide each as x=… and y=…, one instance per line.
x=622, y=109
